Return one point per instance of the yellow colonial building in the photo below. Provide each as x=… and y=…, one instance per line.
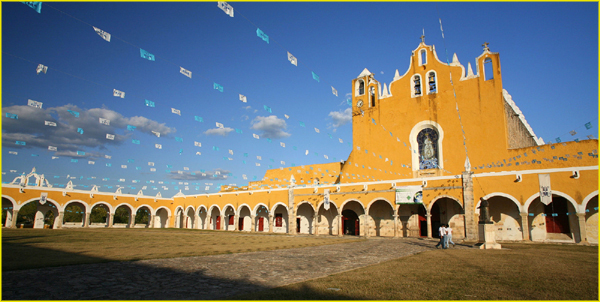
x=427, y=147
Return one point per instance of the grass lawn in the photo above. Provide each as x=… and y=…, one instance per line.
x=36, y=248
x=517, y=272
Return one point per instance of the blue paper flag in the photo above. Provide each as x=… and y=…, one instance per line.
x=373, y=120
x=588, y=125
x=315, y=76
x=130, y=128
x=37, y=6
x=215, y=148
x=268, y=140
x=80, y=153
x=198, y=119
x=146, y=55
x=302, y=124
x=135, y=141
x=73, y=113
x=130, y=160
x=179, y=139
x=109, y=165
x=262, y=35
x=238, y=130
x=79, y=130
x=73, y=160
x=267, y=108
x=558, y=140
x=349, y=101
x=149, y=103
x=218, y=87
x=12, y=115
x=20, y=143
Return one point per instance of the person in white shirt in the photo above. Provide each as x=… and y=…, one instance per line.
x=448, y=236
x=442, y=232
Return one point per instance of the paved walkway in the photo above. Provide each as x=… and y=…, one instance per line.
x=202, y=278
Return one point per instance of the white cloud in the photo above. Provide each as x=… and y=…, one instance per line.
x=271, y=126
x=218, y=131
x=341, y=118
x=31, y=129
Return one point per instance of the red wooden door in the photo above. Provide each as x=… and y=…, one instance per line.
x=261, y=224
x=231, y=220
x=241, y=223
x=218, y=222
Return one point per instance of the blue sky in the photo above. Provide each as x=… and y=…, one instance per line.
x=548, y=52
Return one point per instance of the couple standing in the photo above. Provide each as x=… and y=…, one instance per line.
x=445, y=236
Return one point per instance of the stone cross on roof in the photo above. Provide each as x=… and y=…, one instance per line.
x=485, y=46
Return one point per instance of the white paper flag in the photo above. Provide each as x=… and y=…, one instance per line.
x=341, y=141
x=317, y=130
x=326, y=157
x=91, y=162
x=13, y=152
x=34, y=104
x=334, y=91
x=52, y=148
x=258, y=164
x=306, y=153
x=231, y=152
x=124, y=166
x=259, y=157
x=198, y=144
x=176, y=111
x=243, y=98
x=103, y=34
x=152, y=169
x=119, y=93
x=108, y=156
x=151, y=164
x=255, y=136
x=41, y=68
x=186, y=168
x=282, y=144
x=292, y=59
x=158, y=146
x=104, y=121
x=286, y=116
x=55, y=157
x=110, y=136
x=282, y=162
x=219, y=125
x=225, y=7
x=156, y=133
x=198, y=153
x=48, y=123
x=185, y=72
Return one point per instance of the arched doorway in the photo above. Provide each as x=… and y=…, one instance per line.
x=179, y=219
x=506, y=217
x=161, y=218
x=74, y=215
x=99, y=216
x=143, y=216
x=244, y=220
x=591, y=220
x=380, y=220
x=7, y=212
x=122, y=217
x=262, y=219
x=412, y=219
x=304, y=219
x=215, y=218
x=202, y=214
x=447, y=210
x=280, y=219
x=190, y=219
x=554, y=222
x=350, y=223
x=229, y=218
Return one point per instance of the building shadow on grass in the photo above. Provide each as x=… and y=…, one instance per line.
x=103, y=279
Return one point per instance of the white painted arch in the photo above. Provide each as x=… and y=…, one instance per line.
x=414, y=132
x=87, y=207
x=239, y=209
x=131, y=212
x=586, y=200
x=350, y=200
x=279, y=204
x=377, y=199
x=103, y=203
x=306, y=202
x=258, y=206
x=554, y=192
x=440, y=197
x=500, y=194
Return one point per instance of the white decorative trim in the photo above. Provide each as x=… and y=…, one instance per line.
x=586, y=200
x=412, y=85
x=377, y=199
x=349, y=200
x=538, y=171
x=437, y=88
x=508, y=99
x=500, y=194
x=554, y=192
x=104, y=203
x=130, y=207
x=272, y=210
x=430, y=206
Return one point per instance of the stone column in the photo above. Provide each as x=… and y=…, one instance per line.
x=339, y=222
x=396, y=226
x=236, y=219
x=38, y=222
x=429, y=230
x=315, y=226
x=252, y=223
x=223, y=223
x=525, y=225
x=471, y=227
x=209, y=221
x=150, y=221
x=11, y=218
x=366, y=225
x=292, y=223
x=111, y=217
x=271, y=226
x=86, y=221
x=131, y=221
x=58, y=222
x=582, y=228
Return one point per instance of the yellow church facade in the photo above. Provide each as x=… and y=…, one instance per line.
x=426, y=149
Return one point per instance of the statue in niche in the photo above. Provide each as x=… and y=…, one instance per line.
x=427, y=140
x=428, y=152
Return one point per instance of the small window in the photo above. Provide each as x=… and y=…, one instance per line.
x=423, y=57
x=488, y=69
x=372, y=96
x=432, y=82
x=278, y=220
x=360, y=88
x=417, y=85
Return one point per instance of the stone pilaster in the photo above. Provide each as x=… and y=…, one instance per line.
x=271, y=225
x=58, y=223
x=315, y=225
x=582, y=228
x=396, y=226
x=339, y=223
x=471, y=226
x=525, y=225
x=11, y=218
x=365, y=222
x=236, y=222
x=291, y=213
x=252, y=223
x=131, y=221
x=150, y=221
x=86, y=221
